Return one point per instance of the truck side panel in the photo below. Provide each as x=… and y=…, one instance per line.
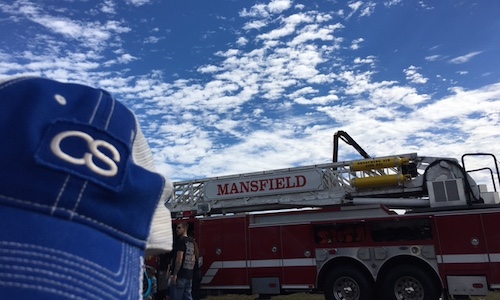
x=299, y=261
x=265, y=252
x=462, y=246
x=222, y=245
x=491, y=224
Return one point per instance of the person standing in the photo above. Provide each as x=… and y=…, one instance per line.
x=195, y=291
x=183, y=264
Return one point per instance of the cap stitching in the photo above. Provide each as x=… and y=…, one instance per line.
x=58, y=284
x=63, y=188
x=99, y=274
x=110, y=113
x=14, y=81
x=50, y=251
x=71, y=259
x=91, y=283
x=40, y=288
x=83, y=217
x=96, y=107
x=80, y=195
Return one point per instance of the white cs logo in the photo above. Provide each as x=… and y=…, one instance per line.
x=55, y=146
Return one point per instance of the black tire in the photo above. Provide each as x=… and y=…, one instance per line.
x=408, y=282
x=348, y=283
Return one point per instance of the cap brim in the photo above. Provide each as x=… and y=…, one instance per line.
x=46, y=257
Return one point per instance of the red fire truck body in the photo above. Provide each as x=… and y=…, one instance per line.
x=333, y=228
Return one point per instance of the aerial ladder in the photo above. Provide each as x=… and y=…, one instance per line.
x=403, y=181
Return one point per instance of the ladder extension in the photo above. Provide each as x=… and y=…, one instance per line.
x=316, y=185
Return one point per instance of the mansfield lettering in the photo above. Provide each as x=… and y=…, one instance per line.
x=260, y=185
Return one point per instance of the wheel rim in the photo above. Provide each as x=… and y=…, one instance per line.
x=408, y=288
x=345, y=288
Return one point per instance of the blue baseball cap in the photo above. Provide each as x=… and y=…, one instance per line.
x=76, y=205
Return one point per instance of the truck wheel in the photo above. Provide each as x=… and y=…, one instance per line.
x=407, y=282
x=348, y=283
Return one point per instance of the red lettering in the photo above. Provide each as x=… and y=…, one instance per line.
x=263, y=184
x=271, y=184
x=301, y=180
x=254, y=186
x=280, y=183
x=222, y=190
x=260, y=185
x=234, y=189
x=244, y=187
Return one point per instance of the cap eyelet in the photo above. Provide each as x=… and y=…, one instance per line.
x=60, y=99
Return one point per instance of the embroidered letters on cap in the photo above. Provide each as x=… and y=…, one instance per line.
x=85, y=151
x=88, y=157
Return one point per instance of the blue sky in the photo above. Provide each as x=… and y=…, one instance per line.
x=231, y=86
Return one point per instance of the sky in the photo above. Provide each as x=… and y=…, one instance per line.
x=233, y=86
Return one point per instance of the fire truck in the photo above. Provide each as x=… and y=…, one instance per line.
x=394, y=227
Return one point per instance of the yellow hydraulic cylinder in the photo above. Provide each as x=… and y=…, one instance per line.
x=377, y=181
x=379, y=163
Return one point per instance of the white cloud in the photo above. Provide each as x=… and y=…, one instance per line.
x=257, y=112
x=138, y=2
x=208, y=69
x=241, y=41
x=256, y=11
x=464, y=58
x=365, y=9
x=302, y=91
x=126, y=58
x=355, y=43
x=321, y=100
x=425, y=5
x=289, y=25
x=368, y=9
x=395, y=95
x=392, y=2
x=367, y=60
x=355, y=5
x=92, y=34
x=434, y=57
x=278, y=6
x=108, y=7
x=413, y=76
x=228, y=53
x=122, y=59
x=257, y=24
x=462, y=103
x=323, y=17
x=358, y=83
x=152, y=40
x=314, y=32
